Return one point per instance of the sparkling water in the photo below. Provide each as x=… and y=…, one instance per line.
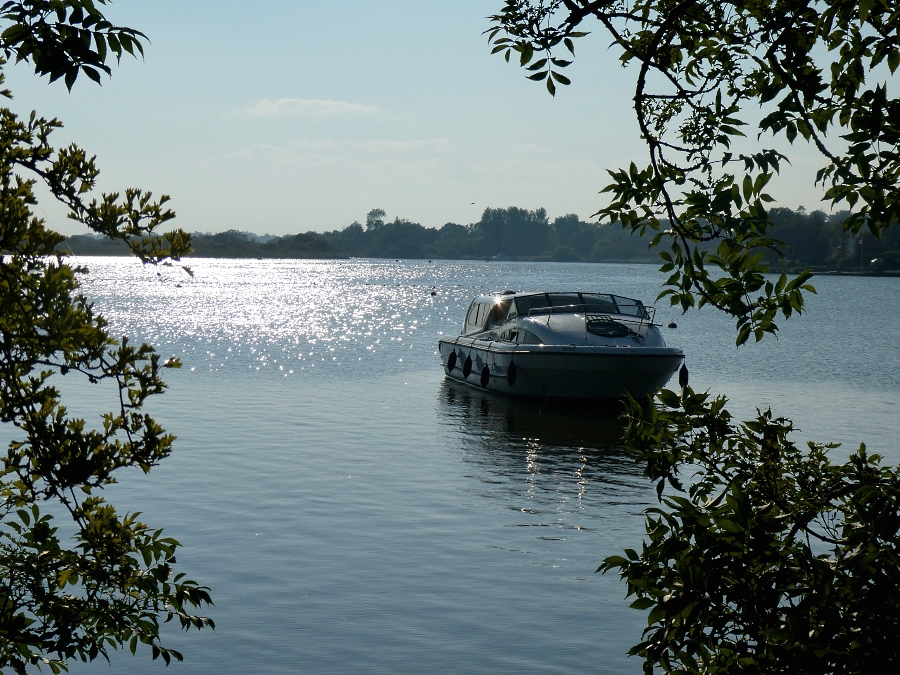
x=354, y=512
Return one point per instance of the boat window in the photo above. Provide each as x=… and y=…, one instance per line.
x=479, y=318
x=527, y=303
x=473, y=313
x=568, y=302
x=475, y=319
x=630, y=307
x=485, y=315
x=595, y=303
x=498, y=313
x=572, y=301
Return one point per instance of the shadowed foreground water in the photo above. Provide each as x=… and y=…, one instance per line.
x=354, y=512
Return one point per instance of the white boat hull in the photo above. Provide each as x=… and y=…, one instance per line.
x=559, y=371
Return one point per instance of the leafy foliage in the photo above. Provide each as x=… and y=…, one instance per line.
x=762, y=557
x=700, y=64
x=113, y=584
x=115, y=581
x=765, y=558
x=63, y=38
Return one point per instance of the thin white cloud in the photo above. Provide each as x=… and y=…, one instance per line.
x=305, y=106
x=375, y=145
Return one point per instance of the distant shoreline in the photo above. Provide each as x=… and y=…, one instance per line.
x=808, y=241
x=194, y=256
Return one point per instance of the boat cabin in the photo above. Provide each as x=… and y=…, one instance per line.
x=488, y=312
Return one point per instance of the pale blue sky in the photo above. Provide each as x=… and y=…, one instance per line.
x=281, y=117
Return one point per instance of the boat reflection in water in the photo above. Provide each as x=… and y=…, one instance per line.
x=565, y=442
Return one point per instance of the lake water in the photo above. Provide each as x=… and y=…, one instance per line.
x=354, y=512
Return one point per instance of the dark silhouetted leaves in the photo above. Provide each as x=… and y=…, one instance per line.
x=698, y=66
x=106, y=580
x=769, y=558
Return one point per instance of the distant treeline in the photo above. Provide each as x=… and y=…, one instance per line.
x=813, y=239
x=229, y=244
x=501, y=234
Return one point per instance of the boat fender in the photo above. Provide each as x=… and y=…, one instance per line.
x=511, y=373
x=485, y=377
x=451, y=362
x=467, y=367
x=683, y=376
x=672, y=324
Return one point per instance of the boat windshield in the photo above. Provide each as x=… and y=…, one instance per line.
x=631, y=307
x=592, y=303
x=546, y=303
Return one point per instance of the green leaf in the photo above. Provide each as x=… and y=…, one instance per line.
x=729, y=526
x=526, y=52
x=748, y=188
x=790, y=131
x=642, y=603
x=893, y=60
x=669, y=398
x=865, y=6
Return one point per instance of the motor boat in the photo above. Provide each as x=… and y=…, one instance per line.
x=568, y=345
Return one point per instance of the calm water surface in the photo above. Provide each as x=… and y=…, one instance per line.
x=354, y=512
